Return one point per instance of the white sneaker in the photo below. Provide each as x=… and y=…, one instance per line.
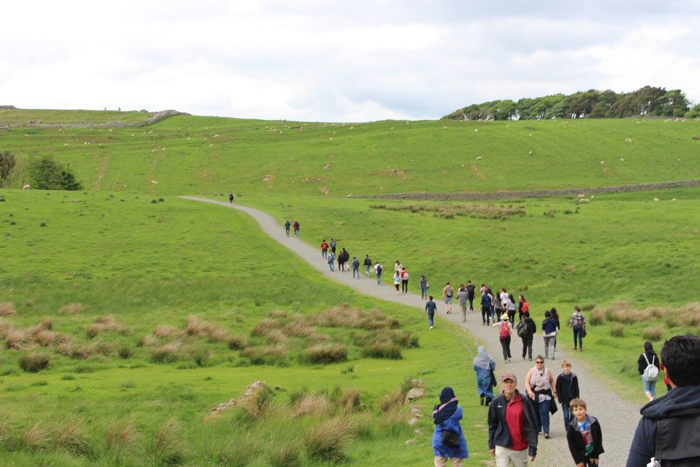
x=431, y=327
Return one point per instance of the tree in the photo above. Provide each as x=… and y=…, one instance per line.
x=7, y=163
x=47, y=174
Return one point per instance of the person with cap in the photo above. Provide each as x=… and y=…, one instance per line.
x=512, y=426
x=448, y=438
x=484, y=366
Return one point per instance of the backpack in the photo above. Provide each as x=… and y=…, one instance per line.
x=521, y=329
x=379, y=268
x=449, y=292
x=526, y=307
x=651, y=372
x=504, y=332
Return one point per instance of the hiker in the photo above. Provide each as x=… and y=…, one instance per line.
x=512, y=308
x=494, y=299
x=378, y=271
x=484, y=366
x=355, y=267
x=577, y=322
x=542, y=389
x=555, y=317
x=504, y=298
x=324, y=249
x=331, y=261
x=287, y=225
x=397, y=266
x=447, y=294
x=567, y=390
x=462, y=300
x=668, y=430
x=485, y=309
x=504, y=330
x=523, y=307
x=497, y=305
x=430, y=309
x=368, y=264
x=584, y=436
x=648, y=368
x=470, y=294
x=296, y=228
x=404, y=280
x=343, y=258
x=526, y=331
x=424, y=286
x=549, y=329
x=448, y=438
x=230, y=197
x=512, y=426
x=397, y=281
x=333, y=245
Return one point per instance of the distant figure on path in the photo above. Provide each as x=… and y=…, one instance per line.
x=447, y=294
x=331, y=261
x=529, y=328
x=324, y=248
x=404, y=280
x=555, y=317
x=542, y=390
x=484, y=366
x=448, y=438
x=397, y=281
x=397, y=266
x=470, y=294
x=512, y=426
x=423, y=284
x=648, y=368
x=504, y=335
x=549, y=329
x=296, y=228
x=333, y=245
x=230, y=197
x=485, y=309
x=497, y=304
x=287, y=225
x=584, y=436
x=670, y=424
x=512, y=307
x=343, y=258
x=430, y=309
x=567, y=390
x=355, y=267
x=378, y=271
x=578, y=323
x=368, y=264
x=462, y=300
x=523, y=307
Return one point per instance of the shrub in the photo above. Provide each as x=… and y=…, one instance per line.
x=167, y=444
x=597, y=317
x=47, y=174
x=167, y=353
x=325, y=442
x=34, y=362
x=7, y=309
x=653, y=333
x=36, y=438
x=236, y=342
x=326, y=353
x=312, y=404
x=382, y=350
x=617, y=330
x=287, y=455
x=125, y=352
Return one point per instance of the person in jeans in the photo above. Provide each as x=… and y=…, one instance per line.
x=423, y=284
x=486, y=309
x=287, y=226
x=404, y=280
x=447, y=294
x=541, y=389
x=368, y=264
x=446, y=416
x=331, y=261
x=529, y=336
x=647, y=358
x=549, y=329
x=297, y=228
x=512, y=307
x=670, y=424
x=578, y=323
x=462, y=296
x=430, y=309
x=324, y=249
x=567, y=389
x=355, y=267
x=470, y=294
x=504, y=333
x=484, y=365
x=378, y=271
x=512, y=426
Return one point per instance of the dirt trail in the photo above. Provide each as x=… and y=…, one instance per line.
x=617, y=416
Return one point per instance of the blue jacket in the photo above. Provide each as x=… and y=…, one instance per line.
x=486, y=301
x=549, y=325
x=451, y=424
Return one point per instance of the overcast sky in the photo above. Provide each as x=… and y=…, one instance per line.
x=341, y=60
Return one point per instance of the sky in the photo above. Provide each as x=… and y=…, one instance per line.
x=333, y=60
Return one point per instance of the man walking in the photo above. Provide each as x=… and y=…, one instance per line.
x=462, y=300
x=287, y=225
x=404, y=280
x=355, y=267
x=447, y=294
x=378, y=271
x=296, y=228
x=230, y=197
x=430, y=309
x=470, y=295
x=368, y=264
x=333, y=245
x=324, y=248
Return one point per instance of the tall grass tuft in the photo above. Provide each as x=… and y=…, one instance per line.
x=382, y=350
x=167, y=353
x=325, y=442
x=286, y=455
x=36, y=438
x=270, y=354
x=71, y=437
x=34, y=362
x=71, y=309
x=653, y=333
x=312, y=404
x=7, y=309
x=167, y=446
x=122, y=436
x=326, y=353
x=236, y=342
x=351, y=399
x=166, y=332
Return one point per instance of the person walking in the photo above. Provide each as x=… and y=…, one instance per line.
x=423, y=284
x=230, y=197
x=355, y=267
x=324, y=249
x=287, y=225
x=512, y=426
x=549, y=329
x=494, y=299
x=542, y=389
x=504, y=333
x=485, y=309
x=431, y=310
x=378, y=272
x=470, y=294
x=567, y=390
x=331, y=261
x=397, y=266
x=397, y=281
x=368, y=264
x=462, y=297
x=404, y=280
x=448, y=439
x=297, y=228
x=584, y=436
x=648, y=368
x=333, y=245
x=555, y=317
x=447, y=294
x=667, y=433
x=523, y=307
x=497, y=308
x=577, y=322
x=484, y=366
x=343, y=258
x=526, y=331
x=512, y=307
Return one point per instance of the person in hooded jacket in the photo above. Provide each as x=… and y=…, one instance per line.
x=584, y=436
x=668, y=430
x=484, y=365
x=448, y=438
x=647, y=358
x=549, y=328
x=531, y=329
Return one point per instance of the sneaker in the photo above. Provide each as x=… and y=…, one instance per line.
x=575, y=348
x=431, y=327
x=546, y=436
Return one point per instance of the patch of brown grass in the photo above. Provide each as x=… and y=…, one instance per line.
x=269, y=354
x=122, y=436
x=312, y=404
x=351, y=400
x=275, y=336
x=82, y=353
x=298, y=329
x=449, y=211
x=149, y=340
x=65, y=348
x=71, y=437
x=106, y=324
x=392, y=401
x=277, y=314
x=16, y=339
x=326, y=353
x=45, y=338
x=167, y=353
x=653, y=333
x=36, y=438
x=216, y=334
x=167, y=444
x=7, y=309
x=265, y=327
x=237, y=342
x=71, y=309
x=344, y=316
x=325, y=442
x=195, y=326
x=166, y=332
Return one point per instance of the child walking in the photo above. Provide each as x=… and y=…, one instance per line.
x=584, y=436
x=567, y=390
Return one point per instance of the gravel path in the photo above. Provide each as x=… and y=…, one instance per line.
x=618, y=417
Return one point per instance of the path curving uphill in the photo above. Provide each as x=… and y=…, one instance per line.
x=618, y=417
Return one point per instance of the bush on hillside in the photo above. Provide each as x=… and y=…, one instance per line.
x=326, y=353
x=34, y=362
x=382, y=350
x=47, y=174
x=7, y=163
x=653, y=333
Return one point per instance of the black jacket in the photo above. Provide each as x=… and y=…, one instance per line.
x=669, y=430
x=642, y=364
x=564, y=396
x=576, y=444
x=531, y=327
x=499, y=434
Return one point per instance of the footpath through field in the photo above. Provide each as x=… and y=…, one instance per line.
x=618, y=417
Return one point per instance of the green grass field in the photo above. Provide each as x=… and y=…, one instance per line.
x=25, y=116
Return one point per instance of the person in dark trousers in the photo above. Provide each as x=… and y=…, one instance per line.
x=567, y=390
x=584, y=436
x=470, y=294
x=404, y=280
x=485, y=309
x=355, y=267
x=343, y=258
x=297, y=227
x=578, y=323
x=431, y=310
x=668, y=430
x=512, y=426
x=230, y=197
x=549, y=329
x=646, y=359
x=333, y=245
x=555, y=317
x=528, y=335
x=368, y=264
x=287, y=225
x=423, y=284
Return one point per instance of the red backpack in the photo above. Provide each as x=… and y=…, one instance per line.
x=505, y=330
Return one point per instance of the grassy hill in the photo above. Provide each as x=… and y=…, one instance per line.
x=27, y=116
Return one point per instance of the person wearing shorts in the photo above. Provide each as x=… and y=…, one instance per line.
x=447, y=294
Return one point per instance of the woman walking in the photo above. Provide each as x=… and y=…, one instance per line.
x=485, y=309
x=484, y=366
x=555, y=317
x=541, y=389
x=423, y=284
x=497, y=308
x=511, y=308
x=523, y=307
x=504, y=334
x=331, y=260
x=578, y=323
x=648, y=367
x=324, y=248
x=448, y=438
x=397, y=281
x=404, y=280
x=549, y=329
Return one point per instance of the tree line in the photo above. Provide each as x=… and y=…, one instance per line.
x=646, y=101
x=44, y=173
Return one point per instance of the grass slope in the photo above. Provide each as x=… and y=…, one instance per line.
x=26, y=116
